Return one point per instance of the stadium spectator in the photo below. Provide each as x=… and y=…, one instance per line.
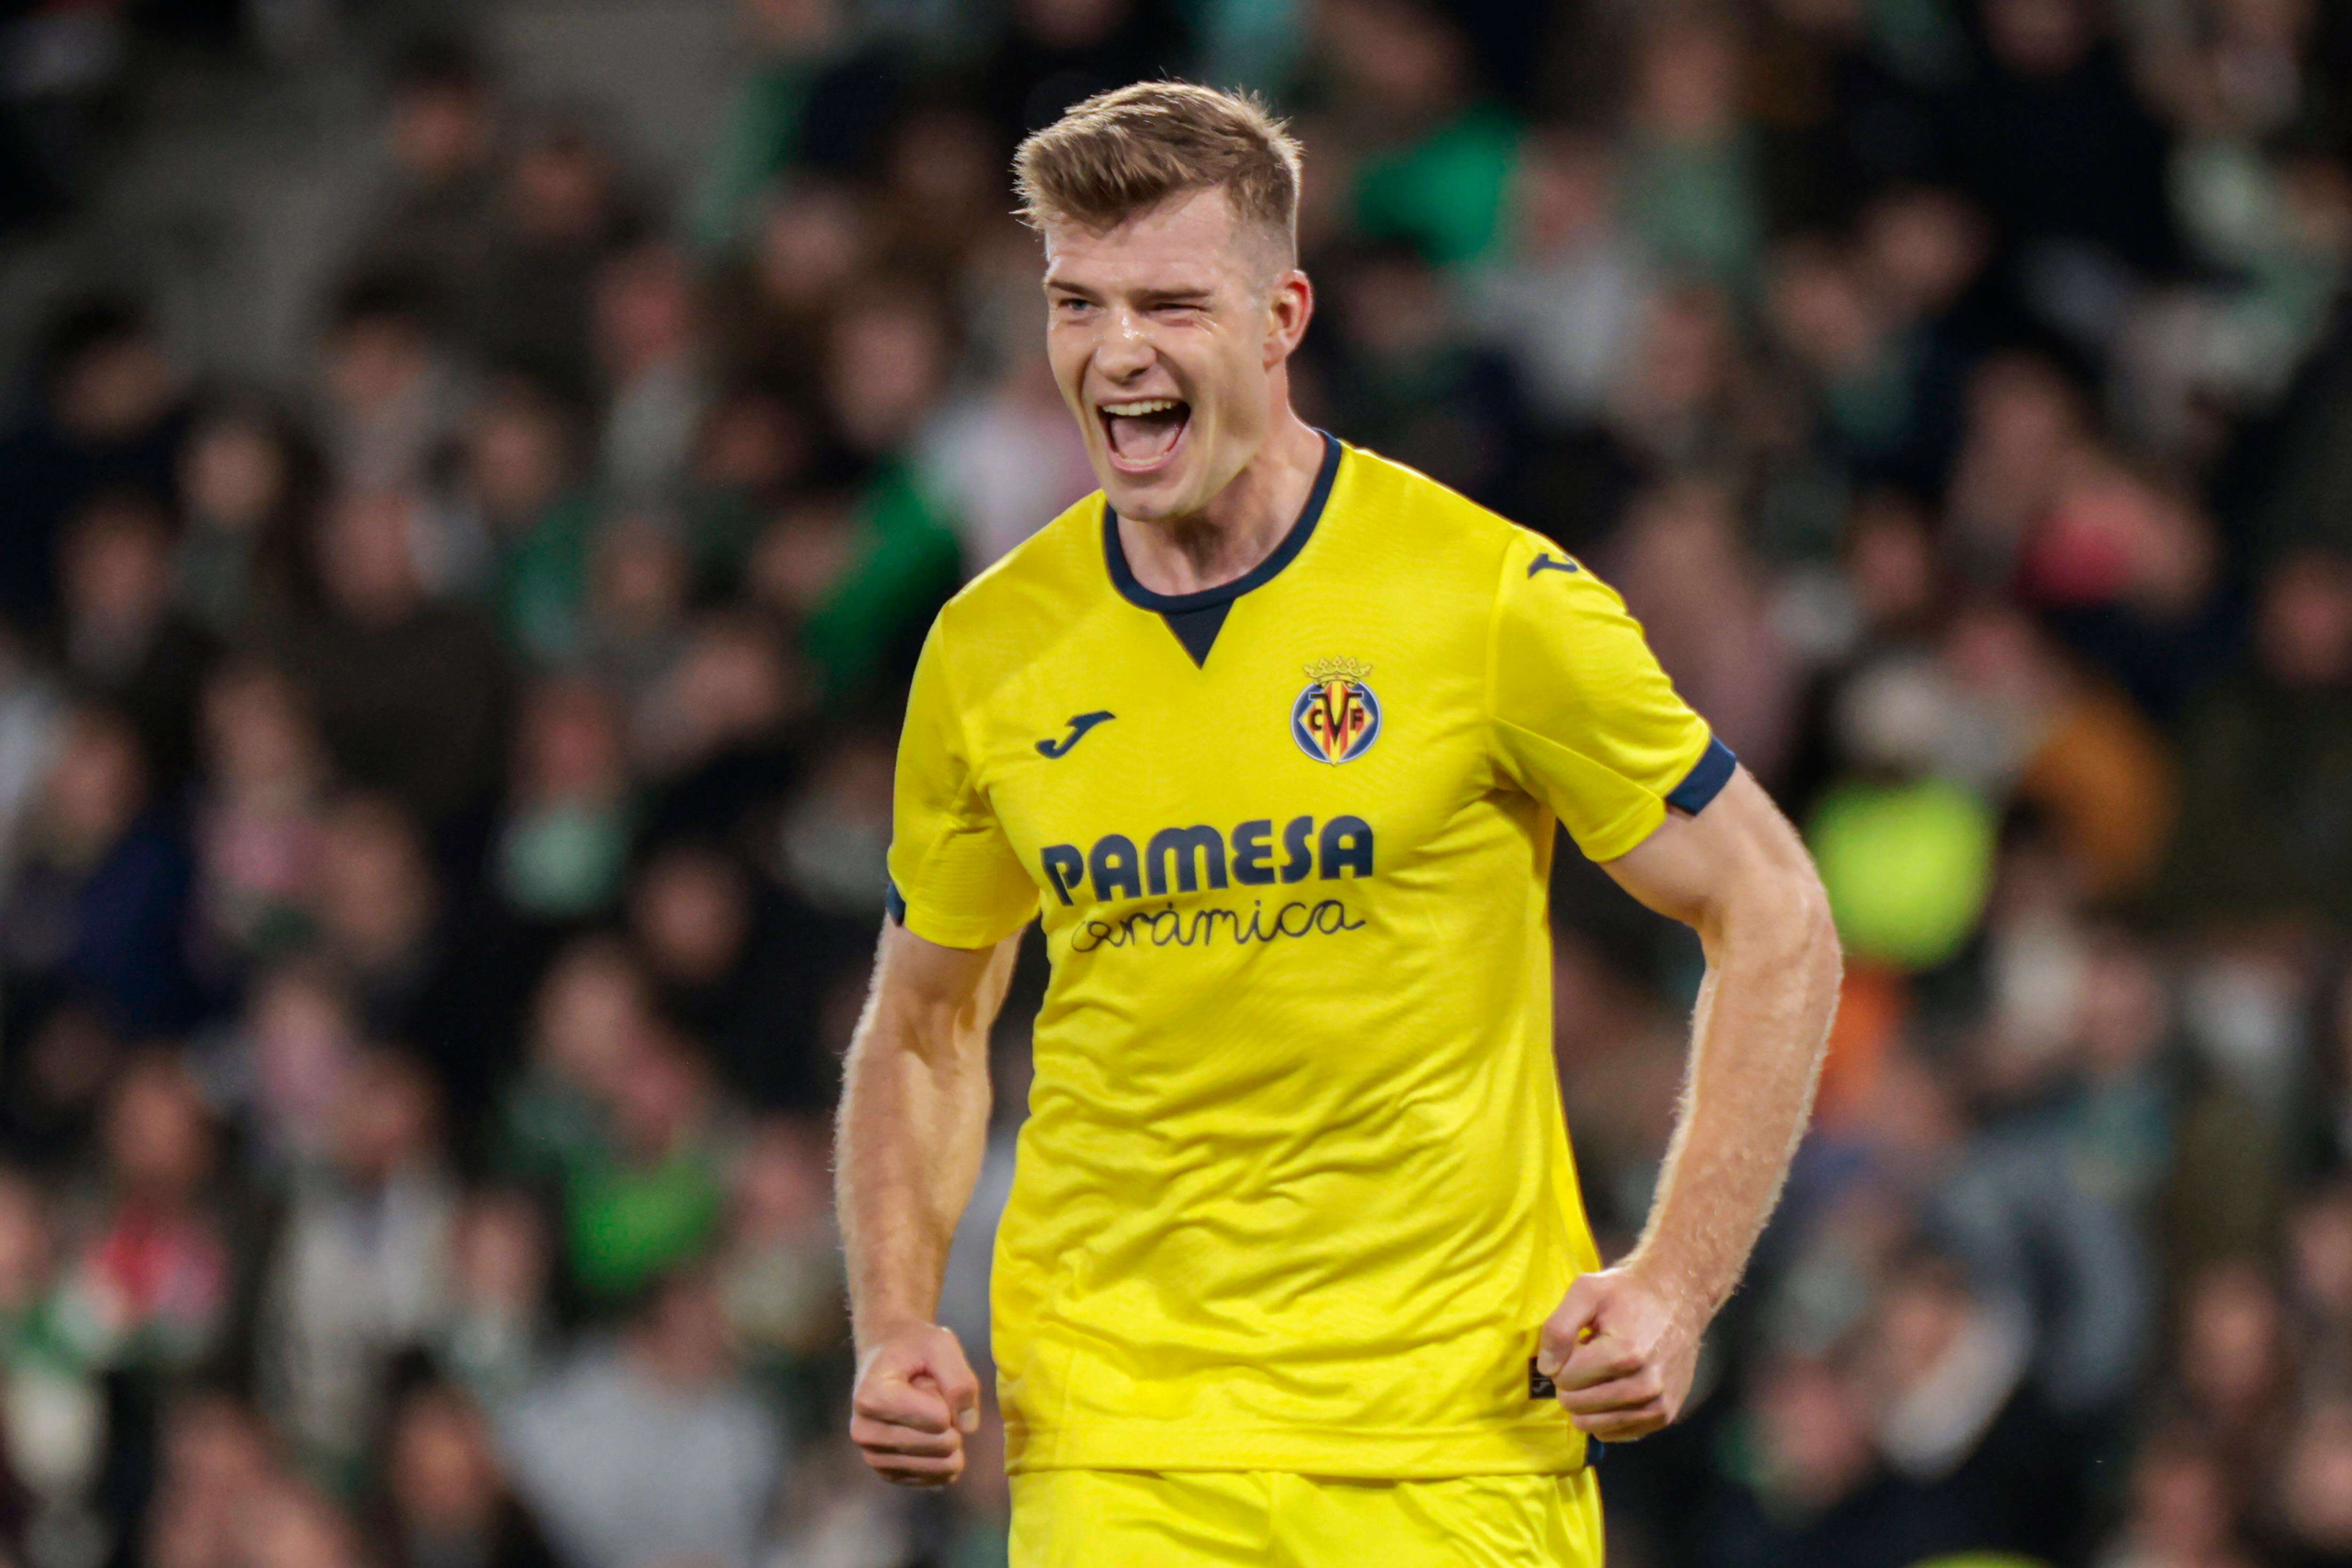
x=725, y=955
x=495, y=1338
x=146, y=1288
x=648, y=1195
x=651, y=1449
x=813, y=97
x=1562, y=299
x=281, y=1070
x=124, y=638
x=410, y=690
x=2314, y=1519
x=217, y=1465
x=258, y=813
x=248, y=482
x=566, y=835
x=653, y=378
x=447, y=1498
x=390, y=395
x=589, y=1016
x=1003, y=462
x=522, y=486
x=434, y=218
x=358, y=1273
x=780, y=1266
x=95, y=912
x=563, y=215
x=107, y=413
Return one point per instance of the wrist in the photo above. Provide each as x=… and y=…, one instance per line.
x=874, y=1328
x=1674, y=1280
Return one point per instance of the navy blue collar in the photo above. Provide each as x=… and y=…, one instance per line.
x=1122, y=576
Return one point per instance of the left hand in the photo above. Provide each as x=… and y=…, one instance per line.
x=1622, y=1349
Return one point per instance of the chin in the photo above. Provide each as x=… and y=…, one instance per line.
x=1148, y=498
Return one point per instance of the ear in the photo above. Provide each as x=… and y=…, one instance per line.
x=1290, y=305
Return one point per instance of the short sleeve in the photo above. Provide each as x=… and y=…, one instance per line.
x=1583, y=718
x=955, y=877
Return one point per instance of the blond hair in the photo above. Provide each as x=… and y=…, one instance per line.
x=1127, y=150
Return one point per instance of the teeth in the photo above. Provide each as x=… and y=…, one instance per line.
x=1137, y=408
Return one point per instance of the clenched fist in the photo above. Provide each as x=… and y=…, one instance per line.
x=915, y=1398
x=1621, y=1350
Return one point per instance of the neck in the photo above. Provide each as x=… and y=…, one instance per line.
x=1242, y=524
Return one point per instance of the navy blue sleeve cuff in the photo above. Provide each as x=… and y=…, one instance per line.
x=894, y=903
x=1705, y=779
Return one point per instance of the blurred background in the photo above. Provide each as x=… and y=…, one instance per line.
x=472, y=476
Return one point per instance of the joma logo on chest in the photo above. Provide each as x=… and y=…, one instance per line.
x=1191, y=857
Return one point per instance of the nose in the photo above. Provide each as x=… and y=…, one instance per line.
x=1126, y=350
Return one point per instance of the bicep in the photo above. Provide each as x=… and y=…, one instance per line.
x=929, y=995
x=1698, y=868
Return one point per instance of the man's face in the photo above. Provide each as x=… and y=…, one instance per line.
x=1167, y=336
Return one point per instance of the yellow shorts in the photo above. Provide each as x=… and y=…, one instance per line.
x=1269, y=1519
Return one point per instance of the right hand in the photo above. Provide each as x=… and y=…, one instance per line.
x=915, y=1399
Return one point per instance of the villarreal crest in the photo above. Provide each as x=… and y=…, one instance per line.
x=1337, y=719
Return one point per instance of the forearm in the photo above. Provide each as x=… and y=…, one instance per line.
x=1758, y=1034
x=913, y=1126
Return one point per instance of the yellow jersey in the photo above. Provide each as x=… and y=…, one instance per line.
x=1294, y=1192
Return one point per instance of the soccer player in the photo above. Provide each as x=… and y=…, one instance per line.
x=1272, y=732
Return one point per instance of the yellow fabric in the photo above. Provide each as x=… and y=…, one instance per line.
x=1294, y=1193
x=1255, y=1519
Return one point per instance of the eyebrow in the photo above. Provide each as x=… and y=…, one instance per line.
x=1184, y=294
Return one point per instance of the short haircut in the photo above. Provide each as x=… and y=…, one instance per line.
x=1124, y=151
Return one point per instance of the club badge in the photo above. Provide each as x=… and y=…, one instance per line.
x=1337, y=719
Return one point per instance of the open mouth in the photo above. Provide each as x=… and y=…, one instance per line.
x=1142, y=432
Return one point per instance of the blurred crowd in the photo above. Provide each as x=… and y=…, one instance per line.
x=443, y=799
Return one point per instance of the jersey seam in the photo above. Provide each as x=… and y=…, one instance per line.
x=1493, y=641
x=1616, y=823
x=940, y=919
x=963, y=730
x=1583, y=755
x=970, y=782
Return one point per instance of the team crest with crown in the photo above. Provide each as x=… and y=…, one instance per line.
x=1337, y=719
